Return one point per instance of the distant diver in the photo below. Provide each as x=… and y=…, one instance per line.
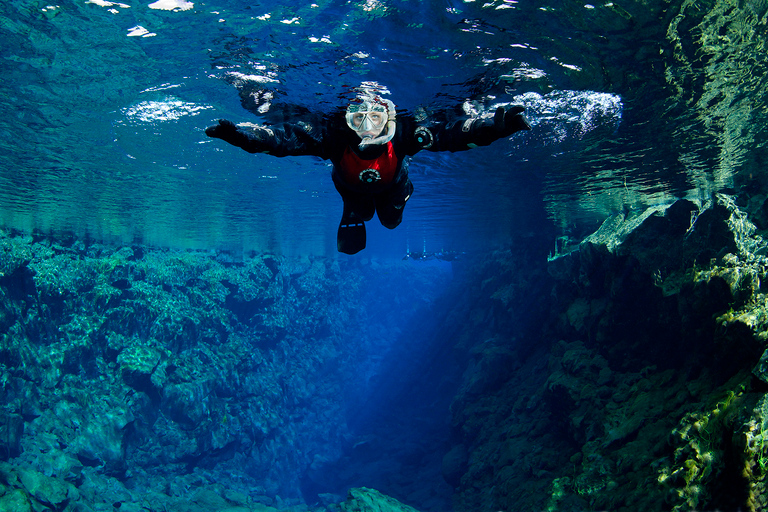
x=428, y=256
x=369, y=145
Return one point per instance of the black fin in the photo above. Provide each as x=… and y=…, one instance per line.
x=350, y=238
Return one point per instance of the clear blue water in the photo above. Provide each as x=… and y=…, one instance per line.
x=104, y=106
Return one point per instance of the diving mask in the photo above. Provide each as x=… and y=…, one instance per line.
x=373, y=120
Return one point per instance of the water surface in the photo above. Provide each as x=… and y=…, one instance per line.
x=104, y=106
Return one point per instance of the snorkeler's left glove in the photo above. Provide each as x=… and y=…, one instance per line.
x=484, y=130
x=229, y=132
x=225, y=130
x=507, y=122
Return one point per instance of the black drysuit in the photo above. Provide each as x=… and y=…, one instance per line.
x=375, y=178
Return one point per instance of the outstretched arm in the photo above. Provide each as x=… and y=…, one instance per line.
x=469, y=132
x=287, y=139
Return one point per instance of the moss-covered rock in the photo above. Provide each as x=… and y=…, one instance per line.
x=49, y=491
x=650, y=395
x=11, y=432
x=370, y=500
x=15, y=500
x=138, y=362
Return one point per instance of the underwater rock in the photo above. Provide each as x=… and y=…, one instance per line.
x=11, y=432
x=761, y=368
x=207, y=499
x=489, y=367
x=750, y=443
x=454, y=465
x=169, y=369
x=99, y=438
x=663, y=239
x=50, y=491
x=15, y=501
x=186, y=403
x=370, y=500
x=649, y=396
x=60, y=463
x=137, y=363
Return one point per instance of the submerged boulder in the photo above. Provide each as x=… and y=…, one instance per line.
x=11, y=431
x=15, y=500
x=370, y=500
x=137, y=362
x=454, y=465
x=50, y=491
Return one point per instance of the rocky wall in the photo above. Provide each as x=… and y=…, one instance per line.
x=626, y=373
x=640, y=383
x=144, y=378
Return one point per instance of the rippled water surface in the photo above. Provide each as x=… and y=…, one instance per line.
x=104, y=106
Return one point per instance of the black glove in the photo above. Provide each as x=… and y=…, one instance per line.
x=229, y=132
x=507, y=122
x=225, y=130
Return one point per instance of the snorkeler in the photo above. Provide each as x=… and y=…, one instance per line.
x=369, y=145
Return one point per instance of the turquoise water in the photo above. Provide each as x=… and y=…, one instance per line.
x=104, y=106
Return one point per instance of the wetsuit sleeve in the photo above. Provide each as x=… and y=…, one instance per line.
x=287, y=139
x=469, y=132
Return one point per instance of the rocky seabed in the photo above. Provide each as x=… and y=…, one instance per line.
x=626, y=373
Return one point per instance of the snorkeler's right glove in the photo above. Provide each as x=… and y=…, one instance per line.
x=229, y=132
